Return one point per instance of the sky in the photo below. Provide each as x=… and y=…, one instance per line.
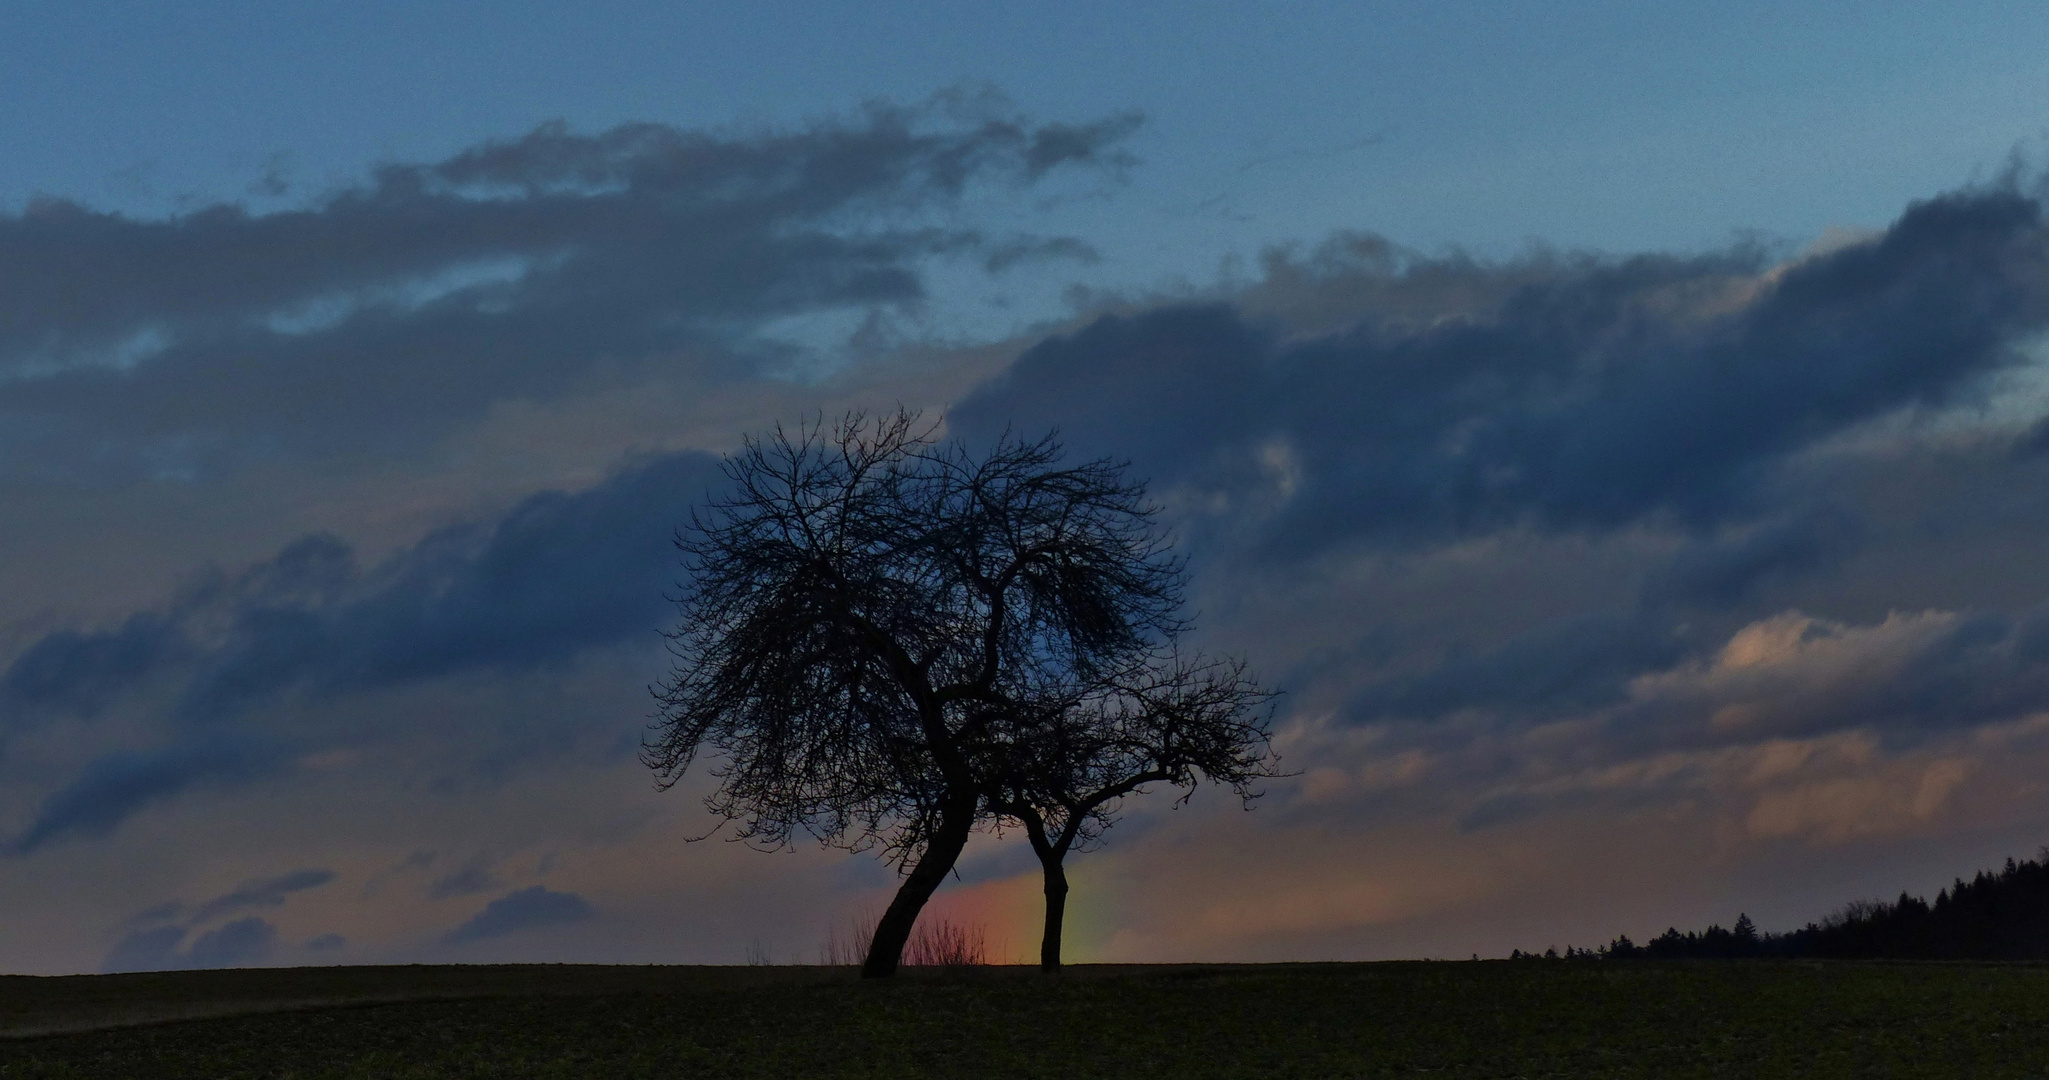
x=1621, y=431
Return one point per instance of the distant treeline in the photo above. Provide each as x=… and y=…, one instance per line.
x=1993, y=916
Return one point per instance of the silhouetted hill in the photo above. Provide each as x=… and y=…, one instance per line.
x=2001, y=915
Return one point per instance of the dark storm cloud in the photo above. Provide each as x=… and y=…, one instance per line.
x=80, y=672
x=511, y=270
x=556, y=575
x=530, y=908
x=1579, y=663
x=1565, y=393
x=1585, y=660
x=1723, y=569
x=77, y=672
x=1684, y=424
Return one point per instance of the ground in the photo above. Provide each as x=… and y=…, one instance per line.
x=1467, y=1019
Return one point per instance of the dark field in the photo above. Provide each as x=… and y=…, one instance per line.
x=1531, y=1019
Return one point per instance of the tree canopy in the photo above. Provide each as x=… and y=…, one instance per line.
x=887, y=640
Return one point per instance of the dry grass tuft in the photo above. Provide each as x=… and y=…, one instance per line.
x=944, y=943
x=936, y=941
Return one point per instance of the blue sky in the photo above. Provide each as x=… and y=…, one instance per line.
x=1618, y=428
x=1609, y=125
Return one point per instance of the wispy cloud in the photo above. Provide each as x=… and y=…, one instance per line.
x=519, y=269
x=154, y=943
x=119, y=785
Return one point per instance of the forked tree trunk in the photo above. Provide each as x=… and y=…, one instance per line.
x=1056, y=910
x=885, y=950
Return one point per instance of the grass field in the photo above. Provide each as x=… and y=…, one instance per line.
x=1488, y=1019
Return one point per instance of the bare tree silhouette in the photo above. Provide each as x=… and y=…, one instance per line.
x=879, y=631
x=1167, y=720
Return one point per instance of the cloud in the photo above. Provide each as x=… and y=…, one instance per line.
x=557, y=575
x=1788, y=726
x=1826, y=789
x=475, y=877
x=1579, y=663
x=1560, y=393
x=529, y=908
x=81, y=672
x=560, y=573
x=523, y=269
x=267, y=892
x=155, y=949
x=239, y=943
x=1724, y=568
x=1793, y=675
x=1552, y=395
x=1835, y=723
x=244, y=942
x=164, y=912
x=119, y=785
x=1054, y=145
x=76, y=672
x=1716, y=540
x=1890, y=798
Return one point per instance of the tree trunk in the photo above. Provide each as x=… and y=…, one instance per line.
x=886, y=949
x=1056, y=909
